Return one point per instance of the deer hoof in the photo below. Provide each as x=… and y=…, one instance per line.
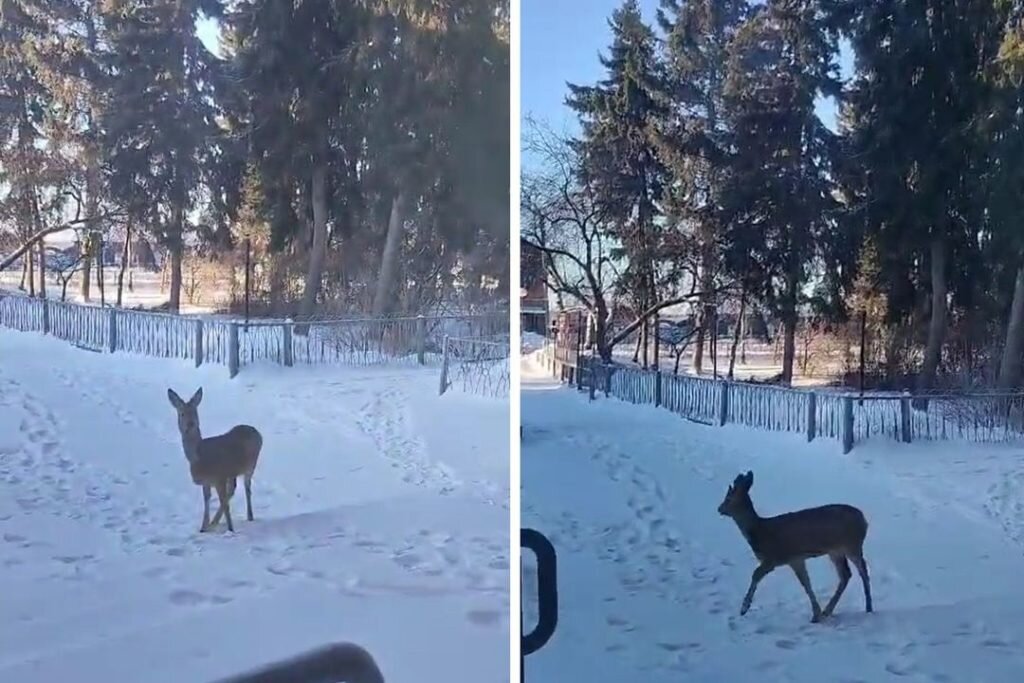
x=817, y=618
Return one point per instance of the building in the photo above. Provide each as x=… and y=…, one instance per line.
x=533, y=296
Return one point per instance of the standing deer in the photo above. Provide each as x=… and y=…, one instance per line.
x=217, y=461
x=834, y=530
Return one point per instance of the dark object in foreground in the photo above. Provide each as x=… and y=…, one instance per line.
x=338, y=663
x=547, y=596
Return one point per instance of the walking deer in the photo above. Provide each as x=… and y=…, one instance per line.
x=216, y=462
x=792, y=538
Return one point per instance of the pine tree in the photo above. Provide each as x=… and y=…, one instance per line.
x=916, y=101
x=620, y=157
x=695, y=140
x=780, y=186
x=160, y=120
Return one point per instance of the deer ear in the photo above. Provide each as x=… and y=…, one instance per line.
x=175, y=399
x=197, y=398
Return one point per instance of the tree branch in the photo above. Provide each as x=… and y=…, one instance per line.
x=41, y=234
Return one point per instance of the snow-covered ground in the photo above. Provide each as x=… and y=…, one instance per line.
x=381, y=518
x=651, y=576
x=148, y=291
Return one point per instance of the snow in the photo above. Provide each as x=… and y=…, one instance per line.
x=148, y=292
x=651, y=576
x=531, y=341
x=381, y=518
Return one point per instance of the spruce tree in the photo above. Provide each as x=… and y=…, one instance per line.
x=617, y=143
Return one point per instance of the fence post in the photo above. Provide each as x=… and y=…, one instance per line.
x=847, y=423
x=593, y=380
x=657, y=388
x=421, y=339
x=608, y=370
x=905, y=432
x=233, y=351
x=199, y=342
x=444, y=367
x=287, y=341
x=46, y=316
x=112, y=333
x=812, y=416
x=723, y=404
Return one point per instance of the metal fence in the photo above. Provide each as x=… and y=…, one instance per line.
x=362, y=341
x=845, y=417
x=476, y=366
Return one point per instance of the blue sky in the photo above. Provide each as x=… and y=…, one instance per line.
x=561, y=41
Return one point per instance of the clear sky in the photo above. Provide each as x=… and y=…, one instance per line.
x=561, y=41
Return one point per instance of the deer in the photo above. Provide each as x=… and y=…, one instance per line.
x=216, y=462
x=791, y=539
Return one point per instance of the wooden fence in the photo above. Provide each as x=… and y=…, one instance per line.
x=845, y=417
x=235, y=344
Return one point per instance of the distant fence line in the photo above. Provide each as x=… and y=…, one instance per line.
x=235, y=344
x=476, y=366
x=846, y=417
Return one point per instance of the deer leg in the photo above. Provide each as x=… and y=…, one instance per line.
x=220, y=508
x=843, y=569
x=761, y=571
x=225, y=503
x=862, y=568
x=206, y=510
x=248, y=496
x=800, y=569
x=217, y=515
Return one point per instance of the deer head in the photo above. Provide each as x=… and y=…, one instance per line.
x=737, y=498
x=188, y=416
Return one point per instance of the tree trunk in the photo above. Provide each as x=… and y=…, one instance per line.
x=125, y=255
x=92, y=173
x=24, y=272
x=1010, y=364
x=698, y=349
x=175, y=249
x=42, y=270
x=100, y=280
x=382, y=298
x=739, y=332
x=789, y=320
x=937, y=324
x=174, y=298
x=276, y=283
x=604, y=348
x=87, y=268
x=788, y=349
x=30, y=256
x=645, y=342
x=318, y=252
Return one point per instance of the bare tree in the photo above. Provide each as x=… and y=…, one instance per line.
x=64, y=266
x=562, y=218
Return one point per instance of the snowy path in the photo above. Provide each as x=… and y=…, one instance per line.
x=381, y=518
x=651, y=577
